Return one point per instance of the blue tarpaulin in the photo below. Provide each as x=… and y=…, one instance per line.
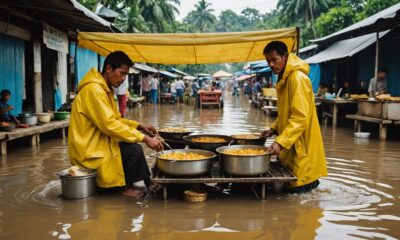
x=262, y=64
x=262, y=70
x=315, y=76
x=57, y=99
x=84, y=61
x=12, y=70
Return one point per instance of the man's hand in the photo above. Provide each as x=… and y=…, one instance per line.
x=149, y=130
x=10, y=108
x=268, y=133
x=275, y=148
x=153, y=143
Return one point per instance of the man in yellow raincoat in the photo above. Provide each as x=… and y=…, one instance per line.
x=99, y=138
x=299, y=142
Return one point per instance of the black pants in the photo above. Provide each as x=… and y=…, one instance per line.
x=134, y=163
x=304, y=188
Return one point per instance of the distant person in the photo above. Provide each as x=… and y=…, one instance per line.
x=257, y=87
x=195, y=88
x=180, y=89
x=235, y=88
x=299, y=142
x=146, y=86
x=322, y=90
x=121, y=96
x=346, y=90
x=173, y=90
x=98, y=138
x=378, y=86
x=154, y=84
x=5, y=108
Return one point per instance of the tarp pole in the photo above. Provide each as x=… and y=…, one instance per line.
x=298, y=41
x=377, y=53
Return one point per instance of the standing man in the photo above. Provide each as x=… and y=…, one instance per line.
x=121, y=96
x=180, y=89
x=154, y=83
x=98, y=138
x=299, y=142
x=146, y=86
x=377, y=87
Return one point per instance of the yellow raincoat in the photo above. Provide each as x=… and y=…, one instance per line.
x=96, y=127
x=297, y=124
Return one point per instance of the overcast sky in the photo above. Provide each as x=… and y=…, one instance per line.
x=235, y=5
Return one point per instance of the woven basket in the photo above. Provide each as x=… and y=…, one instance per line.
x=195, y=196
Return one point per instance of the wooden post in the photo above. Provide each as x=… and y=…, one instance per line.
x=3, y=147
x=382, y=132
x=377, y=53
x=37, y=69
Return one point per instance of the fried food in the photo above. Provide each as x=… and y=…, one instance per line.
x=359, y=96
x=246, y=136
x=174, y=130
x=387, y=97
x=183, y=156
x=209, y=140
x=245, y=152
x=5, y=124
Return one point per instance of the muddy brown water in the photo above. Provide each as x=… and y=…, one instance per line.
x=360, y=199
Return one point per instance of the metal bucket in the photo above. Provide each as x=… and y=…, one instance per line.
x=78, y=187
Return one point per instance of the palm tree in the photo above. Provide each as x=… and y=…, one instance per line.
x=292, y=10
x=202, y=18
x=158, y=12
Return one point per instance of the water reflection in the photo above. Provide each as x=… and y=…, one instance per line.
x=359, y=199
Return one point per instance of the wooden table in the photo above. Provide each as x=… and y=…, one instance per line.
x=210, y=98
x=333, y=113
x=276, y=173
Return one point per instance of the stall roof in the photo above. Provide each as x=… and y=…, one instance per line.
x=386, y=19
x=263, y=70
x=344, y=48
x=144, y=67
x=189, y=48
x=222, y=74
x=262, y=64
x=179, y=72
x=168, y=74
x=62, y=14
x=308, y=48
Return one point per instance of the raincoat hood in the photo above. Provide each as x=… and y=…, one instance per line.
x=294, y=63
x=93, y=76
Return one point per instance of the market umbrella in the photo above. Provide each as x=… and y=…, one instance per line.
x=221, y=74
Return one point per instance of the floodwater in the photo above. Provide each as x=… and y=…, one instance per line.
x=360, y=199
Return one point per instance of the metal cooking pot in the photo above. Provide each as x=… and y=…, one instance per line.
x=243, y=141
x=78, y=187
x=30, y=120
x=208, y=146
x=244, y=165
x=175, y=136
x=186, y=167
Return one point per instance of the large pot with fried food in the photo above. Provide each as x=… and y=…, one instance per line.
x=208, y=142
x=174, y=133
x=185, y=162
x=248, y=139
x=244, y=160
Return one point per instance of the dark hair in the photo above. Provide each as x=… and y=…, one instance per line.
x=117, y=59
x=5, y=92
x=277, y=46
x=385, y=70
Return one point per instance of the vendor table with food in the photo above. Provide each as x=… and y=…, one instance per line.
x=333, y=109
x=210, y=158
x=383, y=110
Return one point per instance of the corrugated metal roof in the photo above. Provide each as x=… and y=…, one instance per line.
x=168, y=74
x=345, y=48
x=63, y=14
x=144, y=67
x=367, y=25
x=308, y=48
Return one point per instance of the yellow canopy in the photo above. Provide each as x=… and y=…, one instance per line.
x=221, y=74
x=188, y=48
